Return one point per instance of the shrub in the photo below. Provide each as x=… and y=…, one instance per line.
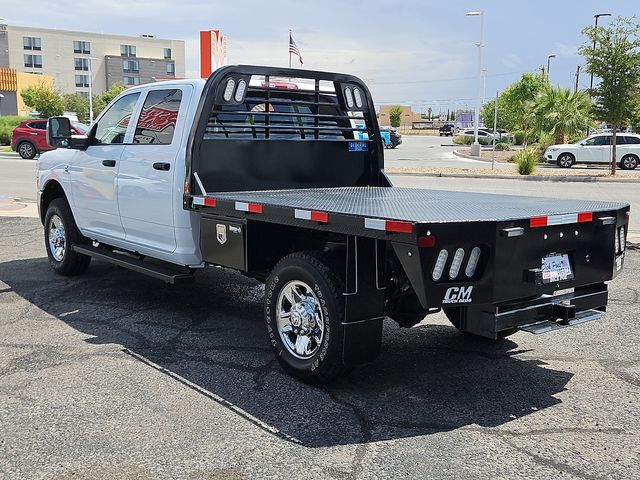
x=526, y=160
x=7, y=124
x=463, y=140
x=502, y=146
x=518, y=137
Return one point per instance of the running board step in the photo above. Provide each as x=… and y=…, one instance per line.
x=160, y=272
x=545, y=326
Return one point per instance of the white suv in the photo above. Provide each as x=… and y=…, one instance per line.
x=596, y=149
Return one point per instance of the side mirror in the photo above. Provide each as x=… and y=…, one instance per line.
x=60, y=135
x=59, y=132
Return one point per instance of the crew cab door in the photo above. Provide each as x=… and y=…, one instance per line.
x=93, y=171
x=147, y=173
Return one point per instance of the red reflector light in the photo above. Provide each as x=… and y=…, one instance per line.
x=628, y=216
x=426, y=241
x=322, y=217
x=585, y=217
x=538, y=222
x=209, y=202
x=400, y=227
x=255, y=208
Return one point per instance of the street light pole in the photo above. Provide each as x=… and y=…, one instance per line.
x=596, y=16
x=90, y=93
x=484, y=86
x=549, y=57
x=475, y=148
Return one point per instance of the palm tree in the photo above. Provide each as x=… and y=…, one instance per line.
x=562, y=113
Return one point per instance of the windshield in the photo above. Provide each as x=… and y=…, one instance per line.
x=81, y=127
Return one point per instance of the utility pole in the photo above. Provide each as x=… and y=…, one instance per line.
x=577, y=77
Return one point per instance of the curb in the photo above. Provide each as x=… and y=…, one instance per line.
x=530, y=178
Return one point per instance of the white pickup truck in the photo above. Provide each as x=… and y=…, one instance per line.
x=278, y=174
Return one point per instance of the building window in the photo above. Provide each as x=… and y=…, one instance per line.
x=167, y=54
x=171, y=68
x=131, y=66
x=31, y=43
x=83, y=94
x=131, y=80
x=81, y=64
x=128, y=50
x=81, y=47
x=82, y=80
x=33, y=61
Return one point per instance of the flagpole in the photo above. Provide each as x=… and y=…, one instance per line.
x=289, y=48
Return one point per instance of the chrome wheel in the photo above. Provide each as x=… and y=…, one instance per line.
x=629, y=162
x=26, y=150
x=299, y=319
x=56, y=238
x=565, y=160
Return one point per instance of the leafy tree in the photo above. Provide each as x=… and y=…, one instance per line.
x=429, y=112
x=74, y=102
x=562, y=113
x=516, y=104
x=615, y=60
x=395, y=116
x=101, y=100
x=44, y=99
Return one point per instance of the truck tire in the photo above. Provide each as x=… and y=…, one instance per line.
x=304, y=309
x=454, y=314
x=60, y=233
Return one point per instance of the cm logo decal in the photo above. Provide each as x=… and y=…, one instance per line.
x=458, y=295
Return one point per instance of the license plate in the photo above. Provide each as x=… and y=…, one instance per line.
x=556, y=268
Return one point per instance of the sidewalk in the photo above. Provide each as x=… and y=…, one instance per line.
x=542, y=174
x=11, y=207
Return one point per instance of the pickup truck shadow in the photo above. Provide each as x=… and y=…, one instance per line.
x=209, y=335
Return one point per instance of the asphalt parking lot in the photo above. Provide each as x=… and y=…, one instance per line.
x=114, y=375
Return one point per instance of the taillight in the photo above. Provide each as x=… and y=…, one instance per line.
x=472, y=263
x=439, y=266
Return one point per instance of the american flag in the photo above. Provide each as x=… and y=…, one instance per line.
x=293, y=48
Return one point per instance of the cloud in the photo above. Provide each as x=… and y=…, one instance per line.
x=565, y=50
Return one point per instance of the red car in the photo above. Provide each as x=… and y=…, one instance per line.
x=30, y=137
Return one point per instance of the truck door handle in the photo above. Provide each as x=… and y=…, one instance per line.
x=109, y=163
x=162, y=166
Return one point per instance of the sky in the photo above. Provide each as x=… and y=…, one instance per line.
x=419, y=53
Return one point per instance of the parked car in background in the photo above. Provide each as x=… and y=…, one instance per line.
x=447, y=130
x=596, y=149
x=30, y=137
x=484, y=136
x=395, y=138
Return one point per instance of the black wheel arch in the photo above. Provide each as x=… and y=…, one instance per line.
x=50, y=192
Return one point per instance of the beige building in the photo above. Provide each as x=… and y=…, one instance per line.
x=407, y=118
x=12, y=83
x=68, y=56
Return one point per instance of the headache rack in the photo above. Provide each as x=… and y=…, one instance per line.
x=264, y=128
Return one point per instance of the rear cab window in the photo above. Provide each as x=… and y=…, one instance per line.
x=157, y=122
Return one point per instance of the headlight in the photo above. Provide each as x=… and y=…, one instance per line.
x=228, y=90
x=357, y=97
x=240, y=91
x=348, y=96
